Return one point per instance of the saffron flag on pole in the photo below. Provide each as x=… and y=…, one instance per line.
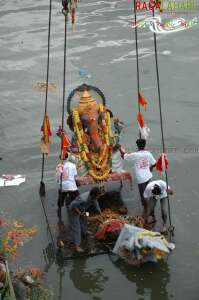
x=65, y=144
x=46, y=129
x=144, y=129
x=45, y=140
x=162, y=163
x=142, y=101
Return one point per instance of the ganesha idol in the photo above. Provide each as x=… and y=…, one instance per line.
x=94, y=142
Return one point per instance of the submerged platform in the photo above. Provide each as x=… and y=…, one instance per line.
x=122, y=201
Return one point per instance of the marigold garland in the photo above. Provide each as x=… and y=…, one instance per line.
x=98, y=164
x=15, y=238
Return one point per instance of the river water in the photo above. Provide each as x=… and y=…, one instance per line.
x=103, y=45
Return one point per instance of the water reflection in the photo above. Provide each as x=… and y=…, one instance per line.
x=87, y=281
x=61, y=273
x=50, y=258
x=151, y=279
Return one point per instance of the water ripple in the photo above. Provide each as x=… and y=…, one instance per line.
x=143, y=52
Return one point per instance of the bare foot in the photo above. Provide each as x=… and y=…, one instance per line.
x=151, y=220
x=164, y=229
x=92, y=251
x=79, y=249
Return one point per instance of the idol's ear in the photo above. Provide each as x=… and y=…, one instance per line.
x=70, y=121
x=110, y=112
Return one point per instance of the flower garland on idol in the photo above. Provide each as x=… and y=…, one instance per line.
x=98, y=164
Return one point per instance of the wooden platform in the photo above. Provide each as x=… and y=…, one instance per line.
x=122, y=176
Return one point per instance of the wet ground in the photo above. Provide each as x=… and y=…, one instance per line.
x=103, y=45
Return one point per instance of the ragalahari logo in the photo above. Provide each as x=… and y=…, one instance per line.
x=172, y=5
x=163, y=5
x=148, y=5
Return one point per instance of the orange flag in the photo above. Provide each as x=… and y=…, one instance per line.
x=144, y=129
x=140, y=120
x=46, y=129
x=65, y=144
x=143, y=101
x=65, y=141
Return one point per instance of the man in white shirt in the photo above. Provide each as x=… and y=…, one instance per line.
x=68, y=189
x=143, y=164
x=154, y=191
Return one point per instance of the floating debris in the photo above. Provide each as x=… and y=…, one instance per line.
x=166, y=52
x=11, y=180
x=13, y=234
x=84, y=73
x=24, y=283
x=41, y=86
x=28, y=280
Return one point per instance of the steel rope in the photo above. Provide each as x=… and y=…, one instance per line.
x=171, y=229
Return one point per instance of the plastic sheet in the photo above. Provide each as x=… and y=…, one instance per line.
x=136, y=245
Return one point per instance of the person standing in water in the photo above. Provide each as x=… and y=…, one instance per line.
x=143, y=164
x=77, y=215
x=157, y=190
x=67, y=173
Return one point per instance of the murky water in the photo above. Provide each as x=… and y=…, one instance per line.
x=103, y=45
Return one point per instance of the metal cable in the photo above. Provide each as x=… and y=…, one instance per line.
x=65, y=12
x=42, y=185
x=137, y=54
x=137, y=58
x=48, y=225
x=161, y=122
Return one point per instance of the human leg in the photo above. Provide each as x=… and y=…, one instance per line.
x=141, y=188
x=59, y=204
x=83, y=224
x=151, y=207
x=71, y=196
x=74, y=228
x=163, y=202
x=62, y=196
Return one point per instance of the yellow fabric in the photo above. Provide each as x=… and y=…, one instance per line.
x=46, y=126
x=45, y=140
x=154, y=235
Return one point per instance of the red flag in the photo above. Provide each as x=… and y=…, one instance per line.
x=143, y=101
x=162, y=163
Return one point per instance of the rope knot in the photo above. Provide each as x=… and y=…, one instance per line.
x=65, y=9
